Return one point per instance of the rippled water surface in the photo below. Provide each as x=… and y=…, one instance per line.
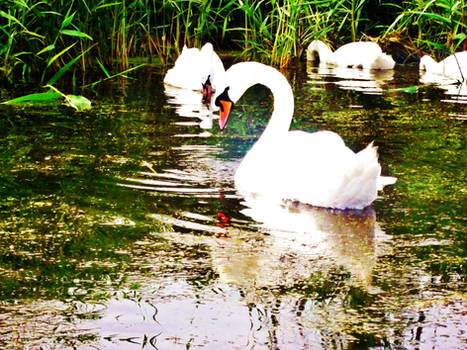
x=120, y=227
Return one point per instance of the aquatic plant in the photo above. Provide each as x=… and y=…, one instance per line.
x=52, y=96
x=64, y=36
x=437, y=27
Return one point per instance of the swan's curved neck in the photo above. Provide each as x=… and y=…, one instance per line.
x=428, y=64
x=246, y=74
x=317, y=47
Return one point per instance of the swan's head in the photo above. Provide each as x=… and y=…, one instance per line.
x=318, y=51
x=427, y=63
x=207, y=91
x=207, y=48
x=240, y=77
x=225, y=105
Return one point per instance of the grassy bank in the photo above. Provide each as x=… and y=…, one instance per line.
x=77, y=35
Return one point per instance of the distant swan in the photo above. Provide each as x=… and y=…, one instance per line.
x=454, y=66
x=362, y=54
x=313, y=168
x=193, y=67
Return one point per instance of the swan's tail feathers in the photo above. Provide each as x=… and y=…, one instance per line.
x=360, y=180
x=385, y=180
x=370, y=154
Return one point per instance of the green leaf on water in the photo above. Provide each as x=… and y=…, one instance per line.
x=53, y=95
x=408, y=89
x=78, y=102
x=35, y=98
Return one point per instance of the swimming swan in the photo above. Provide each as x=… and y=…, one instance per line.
x=313, y=168
x=362, y=54
x=454, y=66
x=193, y=67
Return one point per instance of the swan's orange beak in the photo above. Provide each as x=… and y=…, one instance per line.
x=224, y=113
x=225, y=107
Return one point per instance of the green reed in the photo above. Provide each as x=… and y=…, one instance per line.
x=437, y=27
x=60, y=36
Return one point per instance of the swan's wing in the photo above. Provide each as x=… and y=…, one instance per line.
x=314, y=164
x=314, y=168
x=357, y=54
x=386, y=180
x=455, y=64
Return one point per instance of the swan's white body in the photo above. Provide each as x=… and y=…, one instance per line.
x=362, y=54
x=454, y=66
x=193, y=67
x=313, y=168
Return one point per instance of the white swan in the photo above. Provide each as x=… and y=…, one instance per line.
x=193, y=67
x=314, y=168
x=362, y=54
x=454, y=66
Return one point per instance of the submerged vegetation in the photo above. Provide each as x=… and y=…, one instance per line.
x=58, y=36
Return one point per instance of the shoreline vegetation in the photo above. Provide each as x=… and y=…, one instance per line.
x=54, y=37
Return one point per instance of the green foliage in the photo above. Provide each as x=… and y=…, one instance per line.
x=55, y=37
x=52, y=96
x=435, y=26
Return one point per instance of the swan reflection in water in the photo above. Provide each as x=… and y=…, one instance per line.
x=187, y=103
x=454, y=87
x=369, y=81
x=298, y=241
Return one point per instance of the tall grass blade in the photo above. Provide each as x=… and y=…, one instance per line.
x=52, y=60
x=67, y=66
x=75, y=33
x=121, y=74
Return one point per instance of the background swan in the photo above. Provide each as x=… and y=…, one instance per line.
x=193, y=67
x=454, y=66
x=362, y=54
x=314, y=168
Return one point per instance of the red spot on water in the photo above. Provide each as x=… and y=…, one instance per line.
x=221, y=217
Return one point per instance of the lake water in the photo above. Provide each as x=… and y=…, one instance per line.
x=120, y=227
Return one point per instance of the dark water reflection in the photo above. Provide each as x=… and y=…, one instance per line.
x=120, y=227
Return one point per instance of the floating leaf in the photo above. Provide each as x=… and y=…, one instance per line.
x=52, y=96
x=408, y=89
x=78, y=102
x=35, y=98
